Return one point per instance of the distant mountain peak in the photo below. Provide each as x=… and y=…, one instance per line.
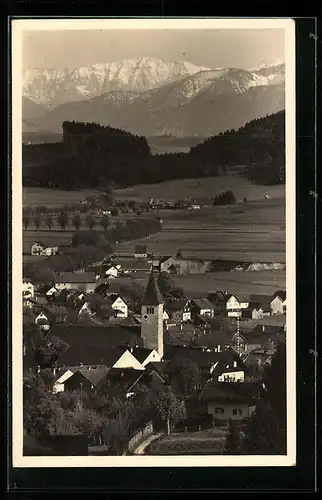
x=52, y=87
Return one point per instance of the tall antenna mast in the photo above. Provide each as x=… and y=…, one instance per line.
x=238, y=339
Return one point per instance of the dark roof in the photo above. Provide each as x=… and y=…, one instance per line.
x=213, y=338
x=141, y=248
x=175, y=305
x=226, y=392
x=202, y=303
x=241, y=297
x=100, y=337
x=281, y=294
x=70, y=277
x=267, y=330
x=260, y=299
x=140, y=353
x=40, y=243
x=152, y=295
x=102, y=288
x=77, y=355
x=202, y=358
x=165, y=258
x=133, y=264
x=94, y=375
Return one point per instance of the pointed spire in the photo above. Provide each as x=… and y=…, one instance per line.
x=152, y=296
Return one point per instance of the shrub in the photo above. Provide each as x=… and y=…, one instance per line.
x=226, y=198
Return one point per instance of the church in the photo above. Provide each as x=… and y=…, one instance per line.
x=152, y=316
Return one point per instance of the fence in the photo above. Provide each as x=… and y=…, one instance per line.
x=140, y=436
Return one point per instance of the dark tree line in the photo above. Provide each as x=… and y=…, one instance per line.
x=90, y=153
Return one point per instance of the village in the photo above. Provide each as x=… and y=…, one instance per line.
x=119, y=333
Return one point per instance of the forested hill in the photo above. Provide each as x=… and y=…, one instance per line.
x=91, y=152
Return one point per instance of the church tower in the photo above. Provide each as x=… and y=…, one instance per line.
x=152, y=316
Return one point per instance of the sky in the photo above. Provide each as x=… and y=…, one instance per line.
x=216, y=48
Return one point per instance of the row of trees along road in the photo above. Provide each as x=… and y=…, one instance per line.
x=63, y=220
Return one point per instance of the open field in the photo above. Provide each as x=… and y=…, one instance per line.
x=33, y=196
x=246, y=232
x=242, y=282
x=252, y=232
x=209, y=442
x=202, y=189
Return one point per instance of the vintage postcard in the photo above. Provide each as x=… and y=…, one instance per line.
x=153, y=256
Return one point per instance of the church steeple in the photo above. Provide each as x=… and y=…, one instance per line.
x=152, y=296
x=152, y=316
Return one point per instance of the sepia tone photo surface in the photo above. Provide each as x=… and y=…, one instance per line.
x=153, y=242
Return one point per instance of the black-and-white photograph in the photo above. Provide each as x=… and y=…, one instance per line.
x=154, y=201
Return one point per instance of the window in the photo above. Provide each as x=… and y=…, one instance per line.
x=150, y=310
x=219, y=411
x=237, y=411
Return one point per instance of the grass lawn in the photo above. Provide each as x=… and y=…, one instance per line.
x=254, y=232
x=200, y=189
x=210, y=442
x=34, y=196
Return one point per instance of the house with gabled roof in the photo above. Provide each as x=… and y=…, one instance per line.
x=230, y=401
x=77, y=357
x=28, y=289
x=253, y=311
x=235, y=303
x=202, y=306
x=141, y=251
x=178, y=310
x=168, y=263
x=85, y=282
x=278, y=302
x=145, y=356
x=39, y=248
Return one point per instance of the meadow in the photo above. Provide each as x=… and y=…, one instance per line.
x=50, y=198
x=252, y=232
x=247, y=232
x=209, y=442
x=201, y=189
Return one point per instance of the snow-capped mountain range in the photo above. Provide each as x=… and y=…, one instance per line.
x=51, y=87
x=150, y=97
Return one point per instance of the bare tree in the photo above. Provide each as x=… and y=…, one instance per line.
x=49, y=220
x=90, y=221
x=104, y=222
x=37, y=220
x=63, y=220
x=77, y=221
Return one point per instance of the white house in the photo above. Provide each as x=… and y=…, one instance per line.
x=111, y=271
x=235, y=304
x=40, y=248
x=86, y=310
x=278, y=303
x=59, y=385
x=252, y=312
x=85, y=282
x=231, y=372
x=202, y=306
x=28, y=289
x=168, y=263
x=52, y=292
x=118, y=304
